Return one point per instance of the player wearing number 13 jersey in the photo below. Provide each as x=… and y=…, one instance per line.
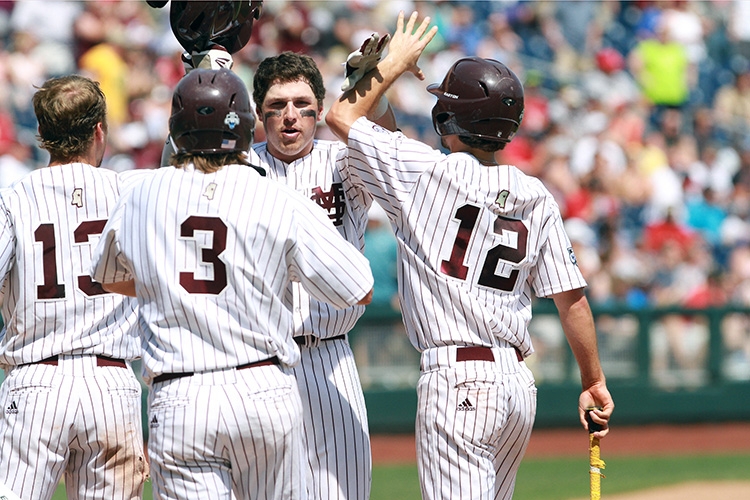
x=476, y=239
x=70, y=402
x=212, y=246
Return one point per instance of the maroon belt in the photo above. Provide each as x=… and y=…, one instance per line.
x=100, y=361
x=171, y=376
x=302, y=339
x=480, y=353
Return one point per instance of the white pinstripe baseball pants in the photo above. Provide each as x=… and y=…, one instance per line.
x=474, y=421
x=227, y=434
x=77, y=419
x=335, y=421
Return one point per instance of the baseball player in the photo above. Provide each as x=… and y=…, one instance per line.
x=475, y=238
x=209, y=247
x=71, y=403
x=288, y=91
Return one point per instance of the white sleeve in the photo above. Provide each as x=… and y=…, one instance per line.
x=329, y=268
x=7, y=241
x=386, y=164
x=557, y=268
x=108, y=264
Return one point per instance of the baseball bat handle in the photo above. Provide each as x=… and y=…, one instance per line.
x=593, y=426
x=596, y=464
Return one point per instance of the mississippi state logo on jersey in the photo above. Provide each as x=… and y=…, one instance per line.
x=332, y=201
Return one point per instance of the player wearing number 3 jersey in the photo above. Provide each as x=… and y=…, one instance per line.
x=211, y=246
x=475, y=238
x=70, y=402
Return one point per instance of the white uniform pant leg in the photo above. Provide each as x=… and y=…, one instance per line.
x=107, y=459
x=76, y=419
x=474, y=421
x=337, y=434
x=227, y=434
x=33, y=455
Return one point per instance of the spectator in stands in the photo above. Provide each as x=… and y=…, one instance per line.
x=732, y=105
x=663, y=70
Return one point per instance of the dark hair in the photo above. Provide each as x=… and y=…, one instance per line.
x=481, y=144
x=287, y=67
x=209, y=162
x=68, y=109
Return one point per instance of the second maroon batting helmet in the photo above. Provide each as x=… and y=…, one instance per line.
x=480, y=98
x=200, y=25
x=211, y=113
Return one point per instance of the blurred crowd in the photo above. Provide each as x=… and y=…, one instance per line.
x=637, y=112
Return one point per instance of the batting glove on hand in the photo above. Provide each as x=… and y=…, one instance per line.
x=362, y=61
x=214, y=58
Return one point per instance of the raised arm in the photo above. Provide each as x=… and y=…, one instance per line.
x=407, y=44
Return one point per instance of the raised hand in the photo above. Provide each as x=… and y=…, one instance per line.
x=407, y=44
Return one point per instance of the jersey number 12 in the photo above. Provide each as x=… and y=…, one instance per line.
x=468, y=215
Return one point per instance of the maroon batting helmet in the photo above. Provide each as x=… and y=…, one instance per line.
x=211, y=113
x=479, y=98
x=200, y=25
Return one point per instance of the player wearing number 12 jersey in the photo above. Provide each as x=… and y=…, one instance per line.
x=70, y=402
x=212, y=246
x=475, y=238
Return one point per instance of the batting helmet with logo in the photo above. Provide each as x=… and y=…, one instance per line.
x=479, y=98
x=211, y=113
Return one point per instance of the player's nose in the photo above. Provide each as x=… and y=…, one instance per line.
x=290, y=112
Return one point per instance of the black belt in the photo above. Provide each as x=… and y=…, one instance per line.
x=302, y=339
x=171, y=376
x=480, y=353
x=100, y=361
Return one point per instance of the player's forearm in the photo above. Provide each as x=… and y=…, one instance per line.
x=366, y=299
x=121, y=287
x=578, y=325
x=358, y=102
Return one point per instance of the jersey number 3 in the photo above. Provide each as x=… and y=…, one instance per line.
x=468, y=215
x=209, y=255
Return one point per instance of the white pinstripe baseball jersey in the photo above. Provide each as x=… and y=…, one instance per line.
x=75, y=412
x=474, y=240
x=212, y=255
x=315, y=177
x=49, y=225
x=332, y=399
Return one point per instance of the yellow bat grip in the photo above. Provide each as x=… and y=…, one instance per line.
x=596, y=464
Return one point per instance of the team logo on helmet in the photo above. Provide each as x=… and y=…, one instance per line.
x=231, y=120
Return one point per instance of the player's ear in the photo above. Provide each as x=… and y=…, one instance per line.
x=100, y=131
